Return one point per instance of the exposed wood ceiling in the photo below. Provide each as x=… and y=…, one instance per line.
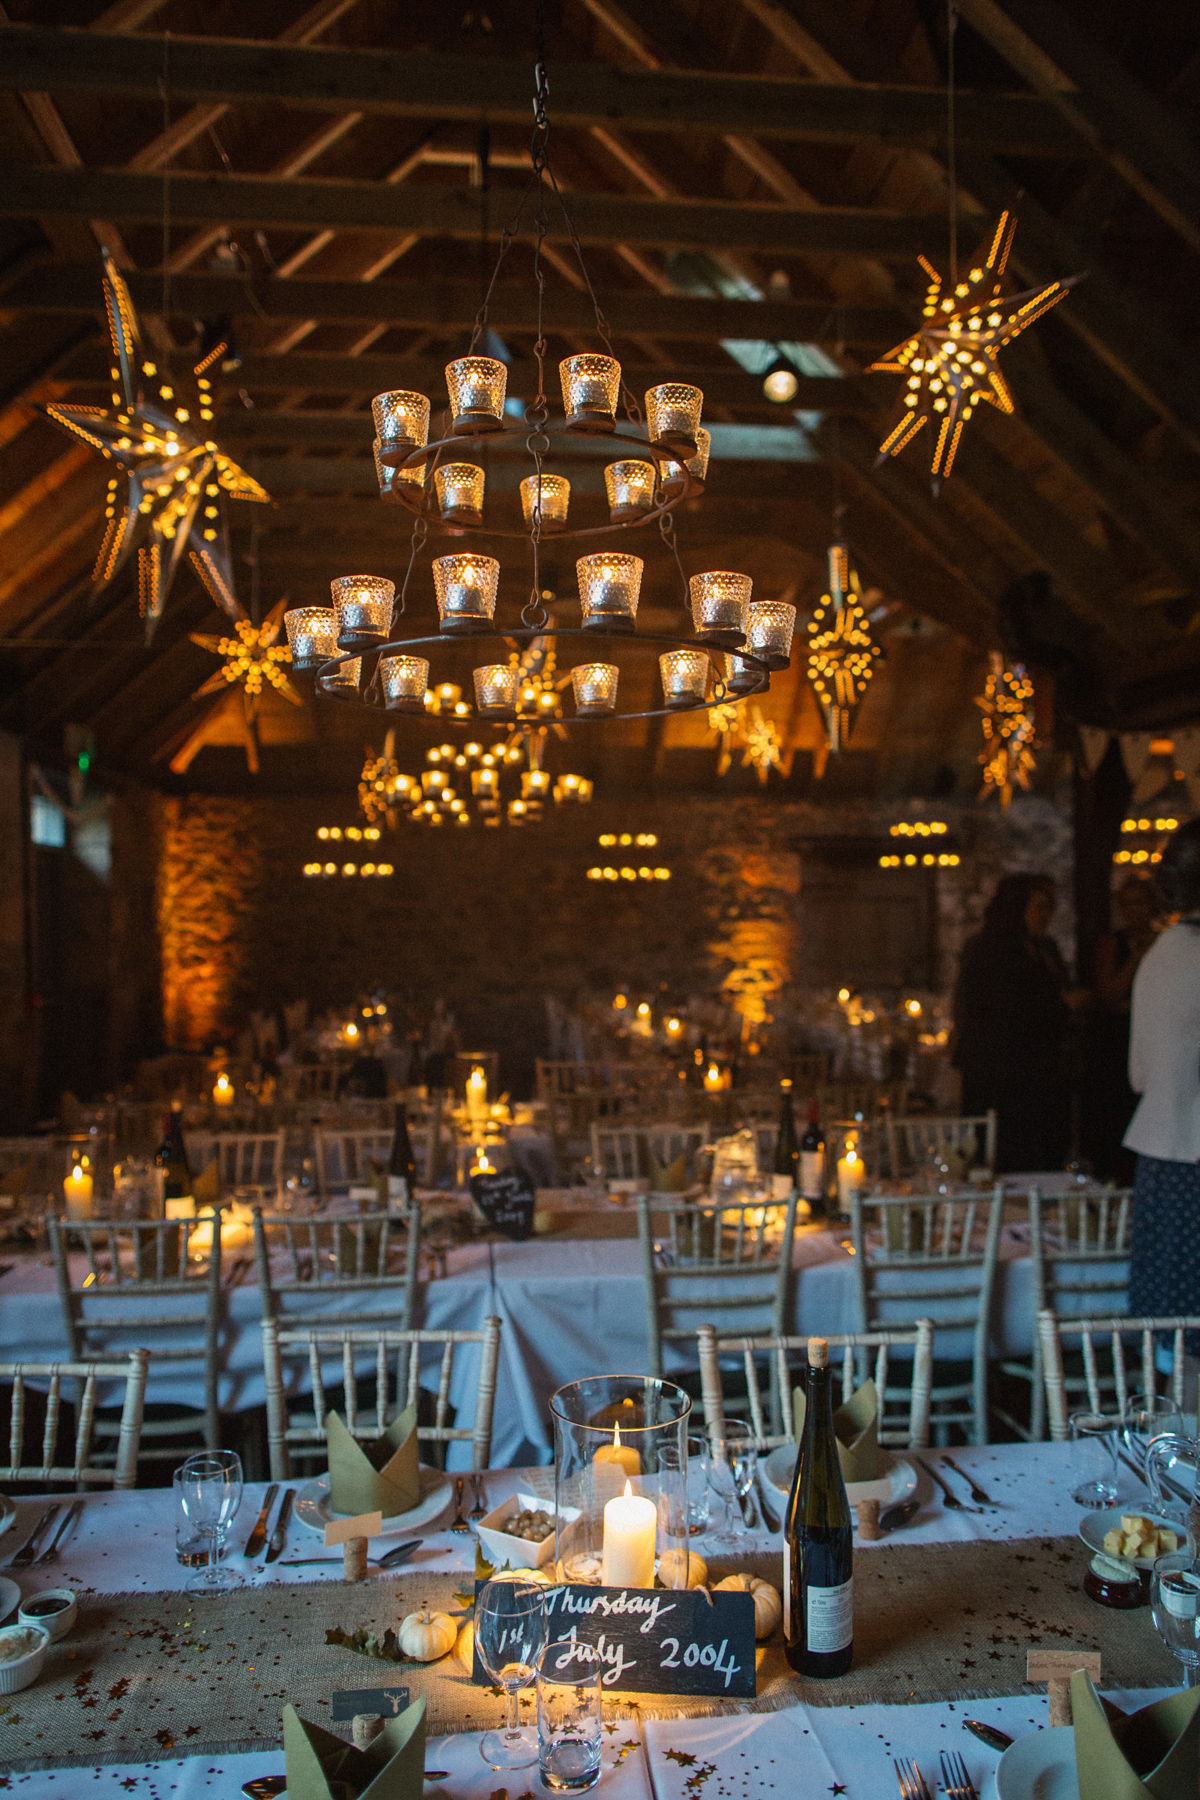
x=755, y=170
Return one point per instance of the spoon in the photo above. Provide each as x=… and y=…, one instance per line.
x=896, y=1516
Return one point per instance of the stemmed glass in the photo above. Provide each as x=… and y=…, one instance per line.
x=511, y=1631
x=1175, y=1604
x=210, y=1492
x=732, y=1459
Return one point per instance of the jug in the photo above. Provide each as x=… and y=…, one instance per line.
x=1171, y=1500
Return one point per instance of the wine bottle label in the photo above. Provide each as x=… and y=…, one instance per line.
x=830, y=1618
x=812, y=1174
x=397, y=1190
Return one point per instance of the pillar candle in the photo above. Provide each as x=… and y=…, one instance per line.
x=849, y=1176
x=77, y=1190
x=222, y=1091
x=623, y=1455
x=630, y=1526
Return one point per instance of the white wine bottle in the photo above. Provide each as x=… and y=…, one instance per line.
x=818, y=1540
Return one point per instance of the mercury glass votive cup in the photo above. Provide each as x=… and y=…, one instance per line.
x=719, y=602
x=363, y=604
x=345, y=678
x=610, y=1430
x=476, y=386
x=672, y=473
x=673, y=415
x=535, y=784
x=459, y=489
x=466, y=591
x=630, y=489
x=769, y=628
x=312, y=636
x=684, y=677
x=405, y=680
x=396, y=479
x=741, y=677
x=495, y=693
x=591, y=387
x=555, y=499
x=609, y=585
x=595, y=686
x=401, y=424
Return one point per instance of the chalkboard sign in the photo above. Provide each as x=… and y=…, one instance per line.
x=384, y=1702
x=652, y=1640
x=506, y=1202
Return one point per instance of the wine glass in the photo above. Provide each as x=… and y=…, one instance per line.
x=1175, y=1605
x=210, y=1492
x=732, y=1456
x=511, y=1631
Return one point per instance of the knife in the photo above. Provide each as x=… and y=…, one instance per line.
x=770, y=1517
x=990, y=1735
x=28, y=1550
x=279, y=1535
x=73, y=1515
x=258, y=1536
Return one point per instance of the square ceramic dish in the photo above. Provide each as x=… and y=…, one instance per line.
x=501, y=1547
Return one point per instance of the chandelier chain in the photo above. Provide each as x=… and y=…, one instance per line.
x=420, y=532
x=533, y=613
x=951, y=138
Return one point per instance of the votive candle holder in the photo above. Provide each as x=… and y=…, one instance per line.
x=405, y=680
x=466, y=591
x=459, y=489
x=555, y=494
x=595, y=686
x=591, y=387
x=610, y=583
x=401, y=424
x=630, y=488
x=719, y=602
x=769, y=628
x=312, y=633
x=684, y=677
x=345, y=678
x=673, y=415
x=495, y=694
x=363, y=604
x=476, y=385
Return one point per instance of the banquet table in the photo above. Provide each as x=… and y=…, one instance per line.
x=813, y=1746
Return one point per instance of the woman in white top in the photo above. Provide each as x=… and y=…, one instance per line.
x=1164, y=1068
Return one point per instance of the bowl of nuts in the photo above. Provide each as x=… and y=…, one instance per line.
x=520, y=1531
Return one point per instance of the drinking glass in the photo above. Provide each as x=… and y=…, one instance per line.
x=193, y=1546
x=696, y=1498
x=1093, y=1458
x=511, y=1631
x=209, y=1490
x=1175, y=1605
x=731, y=1462
x=569, y=1718
x=1148, y=1416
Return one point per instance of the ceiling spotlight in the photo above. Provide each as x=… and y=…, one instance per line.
x=780, y=383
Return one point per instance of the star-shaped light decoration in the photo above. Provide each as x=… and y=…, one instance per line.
x=170, y=491
x=841, y=651
x=745, y=728
x=1008, y=729
x=950, y=360
x=379, y=785
x=252, y=656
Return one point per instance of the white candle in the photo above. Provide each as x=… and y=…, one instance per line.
x=630, y=1525
x=77, y=1190
x=476, y=1094
x=223, y=1091
x=849, y=1176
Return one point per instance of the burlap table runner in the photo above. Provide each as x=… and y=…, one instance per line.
x=145, y=1676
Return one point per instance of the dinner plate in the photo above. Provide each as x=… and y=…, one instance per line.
x=313, y=1508
x=8, y=1513
x=10, y=1595
x=1093, y=1526
x=898, y=1481
x=1038, y=1767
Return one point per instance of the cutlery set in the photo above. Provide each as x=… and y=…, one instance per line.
x=951, y=1498
x=955, y=1779
x=31, y=1551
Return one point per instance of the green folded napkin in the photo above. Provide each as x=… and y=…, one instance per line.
x=206, y=1187
x=856, y=1427
x=323, y=1767
x=1153, y=1754
x=668, y=1178
x=375, y=1474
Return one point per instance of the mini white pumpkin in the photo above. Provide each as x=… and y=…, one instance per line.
x=427, y=1635
x=464, y=1648
x=768, y=1607
x=682, y=1568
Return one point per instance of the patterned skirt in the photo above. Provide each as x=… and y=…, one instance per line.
x=1164, y=1263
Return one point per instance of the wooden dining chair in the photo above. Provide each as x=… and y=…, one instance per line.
x=1079, y=1255
x=912, y=1141
x=1109, y=1337
x=910, y=1432
x=294, y=1355
x=932, y=1258
x=46, y=1380
x=848, y=1099
x=351, y=1155
x=623, y=1152
x=306, y=1266
x=243, y=1158
x=153, y=1283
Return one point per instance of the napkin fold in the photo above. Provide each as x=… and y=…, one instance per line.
x=856, y=1427
x=323, y=1767
x=1153, y=1754
x=668, y=1178
x=206, y=1186
x=375, y=1474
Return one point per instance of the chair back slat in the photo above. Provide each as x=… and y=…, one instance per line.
x=1122, y=1335
x=85, y=1376
x=305, y=1267
x=911, y=1141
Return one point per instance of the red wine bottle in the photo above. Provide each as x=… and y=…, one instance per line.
x=402, y=1166
x=812, y=1161
x=818, y=1540
x=787, y=1150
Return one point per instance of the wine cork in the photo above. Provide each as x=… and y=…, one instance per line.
x=868, y=1521
x=1059, y=1688
x=354, y=1559
x=365, y=1727
x=818, y=1353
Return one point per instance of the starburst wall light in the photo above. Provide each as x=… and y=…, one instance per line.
x=1008, y=729
x=841, y=651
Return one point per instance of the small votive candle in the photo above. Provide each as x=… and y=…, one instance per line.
x=401, y=424
x=740, y=676
x=555, y=499
x=850, y=1176
x=345, y=678
x=619, y=1455
x=476, y=385
x=769, y=628
x=535, y=785
x=630, y=489
x=393, y=479
x=719, y=602
x=595, y=686
x=495, y=692
x=77, y=1192
x=630, y=1531
x=405, y=680
x=609, y=586
x=591, y=386
x=684, y=677
x=222, y=1091
x=312, y=633
x=459, y=489
x=363, y=604
x=466, y=591
x=485, y=783
x=673, y=415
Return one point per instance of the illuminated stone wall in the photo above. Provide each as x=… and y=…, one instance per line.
x=210, y=891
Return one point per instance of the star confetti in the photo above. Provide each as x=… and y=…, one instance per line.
x=841, y=651
x=169, y=494
x=950, y=360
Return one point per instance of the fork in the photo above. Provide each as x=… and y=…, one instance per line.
x=458, y=1523
x=952, y=1499
x=913, y=1785
x=955, y=1780
x=73, y=1517
x=977, y=1493
x=479, y=1510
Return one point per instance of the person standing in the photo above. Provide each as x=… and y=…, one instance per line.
x=1107, y=1100
x=1164, y=1068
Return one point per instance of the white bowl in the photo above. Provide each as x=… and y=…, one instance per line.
x=517, y=1552
x=18, y=1674
x=57, y=1624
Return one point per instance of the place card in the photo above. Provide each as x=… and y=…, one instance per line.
x=506, y=1201
x=385, y=1702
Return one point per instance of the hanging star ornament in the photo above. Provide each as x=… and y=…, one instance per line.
x=1008, y=729
x=745, y=728
x=170, y=491
x=950, y=360
x=841, y=651
x=252, y=660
